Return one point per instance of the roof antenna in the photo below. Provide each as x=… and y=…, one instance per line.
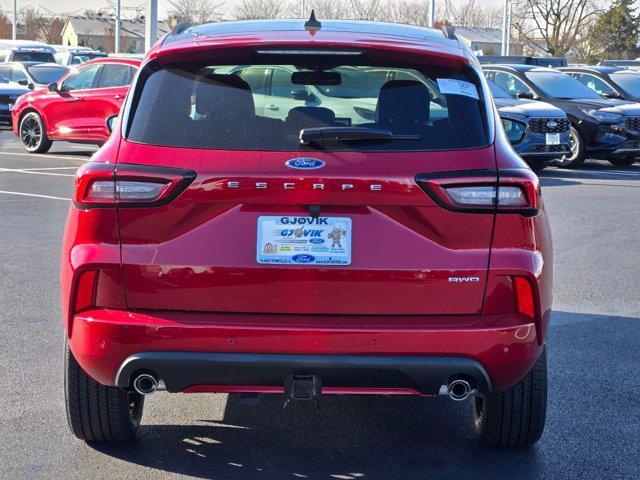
x=312, y=25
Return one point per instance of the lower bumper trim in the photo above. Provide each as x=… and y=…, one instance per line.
x=186, y=371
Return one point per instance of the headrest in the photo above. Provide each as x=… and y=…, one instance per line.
x=226, y=95
x=403, y=104
x=306, y=117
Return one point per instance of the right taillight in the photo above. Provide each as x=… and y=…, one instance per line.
x=128, y=185
x=484, y=191
x=525, y=302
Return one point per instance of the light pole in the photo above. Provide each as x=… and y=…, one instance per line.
x=432, y=13
x=508, y=36
x=303, y=9
x=506, y=28
x=151, y=24
x=117, y=40
x=14, y=32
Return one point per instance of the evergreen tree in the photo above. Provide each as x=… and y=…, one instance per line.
x=616, y=33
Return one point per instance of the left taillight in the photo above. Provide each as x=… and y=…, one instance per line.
x=490, y=191
x=128, y=185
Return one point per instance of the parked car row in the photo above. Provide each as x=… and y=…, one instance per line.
x=601, y=125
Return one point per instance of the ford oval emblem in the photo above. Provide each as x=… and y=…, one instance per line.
x=305, y=163
x=552, y=124
x=303, y=258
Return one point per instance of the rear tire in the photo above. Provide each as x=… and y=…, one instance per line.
x=622, y=162
x=97, y=413
x=578, y=152
x=33, y=134
x=515, y=417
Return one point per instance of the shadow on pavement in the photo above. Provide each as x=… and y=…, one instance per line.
x=591, y=429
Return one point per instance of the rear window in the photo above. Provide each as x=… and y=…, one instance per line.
x=26, y=56
x=289, y=107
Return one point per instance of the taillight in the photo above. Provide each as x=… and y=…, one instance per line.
x=484, y=191
x=128, y=185
x=525, y=302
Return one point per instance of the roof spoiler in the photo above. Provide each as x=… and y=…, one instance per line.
x=449, y=32
x=179, y=28
x=176, y=32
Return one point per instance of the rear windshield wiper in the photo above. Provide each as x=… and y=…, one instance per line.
x=320, y=135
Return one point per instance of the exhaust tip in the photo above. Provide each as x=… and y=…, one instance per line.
x=459, y=390
x=145, y=384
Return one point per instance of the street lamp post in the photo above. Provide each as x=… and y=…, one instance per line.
x=151, y=24
x=506, y=28
x=432, y=13
x=14, y=32
x=117, y=40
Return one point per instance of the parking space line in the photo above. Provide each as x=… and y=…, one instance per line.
x=75, y=167
x=46, y=155
x=32, y=172
x=36, y=195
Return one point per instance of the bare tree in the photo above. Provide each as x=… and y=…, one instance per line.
x=328, y=9
x=195, y=11
x=553, y=26
x=53, y=31
x=256, y=9
x=5, y=26
x=468, y=14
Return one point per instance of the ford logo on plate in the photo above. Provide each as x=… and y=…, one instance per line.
x=304, y=163
x=303, y=258
x=552, y=124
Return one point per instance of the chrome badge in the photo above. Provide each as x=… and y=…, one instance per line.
x=305, y=163
x=552, y=124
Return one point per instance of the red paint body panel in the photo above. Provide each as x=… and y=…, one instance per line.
x=198, y=252
x=183, y=277
x=78, y=115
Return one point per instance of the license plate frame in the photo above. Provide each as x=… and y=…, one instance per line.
x=552, y=139
x=303, y=240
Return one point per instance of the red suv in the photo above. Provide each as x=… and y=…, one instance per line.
x=227, y=239
x=75, y=107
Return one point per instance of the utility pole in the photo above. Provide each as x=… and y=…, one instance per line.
x=14, y=33
x=432, y=13
x=151, y=24
x=117, y=40
x=303, y=9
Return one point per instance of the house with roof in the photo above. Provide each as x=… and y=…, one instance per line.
x=486, y=40
x=98, y=32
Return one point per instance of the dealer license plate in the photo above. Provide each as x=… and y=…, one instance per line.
x=553, y=139
x=304, y=240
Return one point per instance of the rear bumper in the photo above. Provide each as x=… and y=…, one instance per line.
x=188, y=371
x=219, y=352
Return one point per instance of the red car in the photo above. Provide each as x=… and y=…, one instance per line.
x=74, y=108
x=225, y=240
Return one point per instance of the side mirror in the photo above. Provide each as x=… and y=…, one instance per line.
x=24, y=82
x=525, y=95
x=613, y=95
x=111, y=122
x=301, y=95
x=53, y=87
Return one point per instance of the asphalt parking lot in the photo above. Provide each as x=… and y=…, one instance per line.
x=593, y=417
